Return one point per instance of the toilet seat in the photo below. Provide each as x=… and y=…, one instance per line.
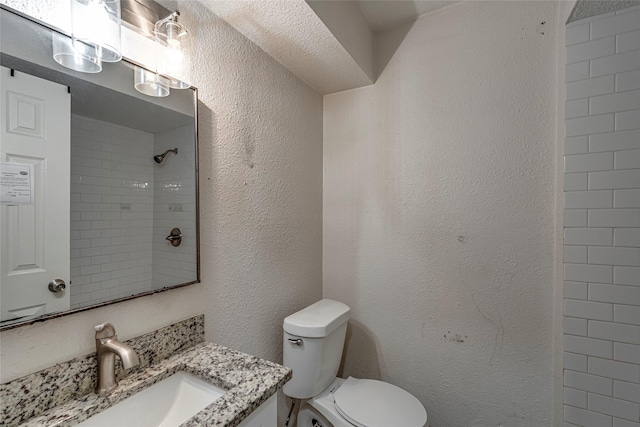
x=371, y=403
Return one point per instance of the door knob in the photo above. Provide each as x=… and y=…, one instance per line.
x=57, y=285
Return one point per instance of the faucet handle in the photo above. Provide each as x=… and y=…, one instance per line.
x=105, y=330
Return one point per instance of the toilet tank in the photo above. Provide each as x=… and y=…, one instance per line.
x=312, y=346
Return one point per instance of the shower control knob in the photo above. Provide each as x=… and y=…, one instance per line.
x=175, y=237
x=57, y=285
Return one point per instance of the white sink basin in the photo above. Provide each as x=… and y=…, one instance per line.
x=167, y=403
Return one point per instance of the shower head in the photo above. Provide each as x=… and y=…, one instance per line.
x=160, y=157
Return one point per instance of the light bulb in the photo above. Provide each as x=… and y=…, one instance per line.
x=173, y=51
x=97, y=22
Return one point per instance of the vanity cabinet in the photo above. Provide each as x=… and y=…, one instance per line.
x=265, y=416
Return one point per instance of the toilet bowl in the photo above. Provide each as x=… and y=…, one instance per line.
x=313, y=341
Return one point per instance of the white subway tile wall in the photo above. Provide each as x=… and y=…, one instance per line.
x=174, y=206
x=111, y=211
x=628, y=81
x=576, y=145
x=575, y=362
x=602, y=222
x=628, y=41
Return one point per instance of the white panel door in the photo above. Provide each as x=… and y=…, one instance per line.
x=34, y=236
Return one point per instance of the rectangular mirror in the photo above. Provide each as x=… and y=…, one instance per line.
x=99, y=182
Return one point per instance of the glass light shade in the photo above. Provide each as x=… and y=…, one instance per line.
x=97, y=23
x=150, y=83
x=80, y=57
x=174, y=59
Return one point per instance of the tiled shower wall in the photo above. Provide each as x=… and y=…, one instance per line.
x=602, y=222
x=111, y=211
x=173, y=201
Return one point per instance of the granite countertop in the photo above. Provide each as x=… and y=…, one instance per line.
x=250, y=381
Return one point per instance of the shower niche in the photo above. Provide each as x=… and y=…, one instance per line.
x=133, y=172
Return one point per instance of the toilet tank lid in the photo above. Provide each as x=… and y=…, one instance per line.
x=318, y=320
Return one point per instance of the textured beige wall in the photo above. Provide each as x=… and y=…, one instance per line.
x=439, y=213
x=587, y=8
x=292, y=33
x=260, y=187
x=350, y=28
x=260, y=132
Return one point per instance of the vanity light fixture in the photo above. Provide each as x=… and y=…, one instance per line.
x=174, y=60
x=95, y=36
x=80, y=57
x=173, y=65
x=97, y=23
x=150, y=83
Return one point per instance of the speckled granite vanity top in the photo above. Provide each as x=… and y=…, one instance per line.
x=250, y=381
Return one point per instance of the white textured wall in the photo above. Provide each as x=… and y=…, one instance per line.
x=260, y=132
x=349, y=26
x=260, y=188
x=439, y=214
x=602, y=221
x=292, y=33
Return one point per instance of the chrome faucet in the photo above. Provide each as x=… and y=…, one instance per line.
x=107, y=346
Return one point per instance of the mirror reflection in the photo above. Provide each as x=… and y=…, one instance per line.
x=99, y=183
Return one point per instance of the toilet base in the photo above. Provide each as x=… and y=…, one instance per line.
x=320, y=411
x=307, y=417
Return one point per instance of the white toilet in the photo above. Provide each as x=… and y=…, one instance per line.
x=313, y=343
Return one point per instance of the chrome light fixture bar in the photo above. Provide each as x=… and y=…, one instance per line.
x=142, y=15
